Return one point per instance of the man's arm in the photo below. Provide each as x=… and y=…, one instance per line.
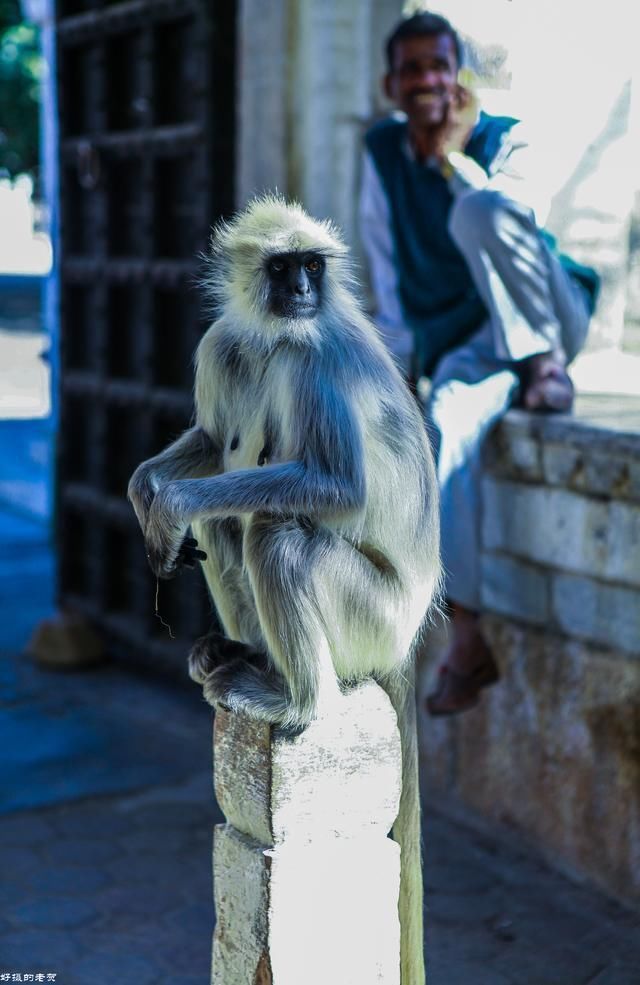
x=377, y=240
x=516, y=172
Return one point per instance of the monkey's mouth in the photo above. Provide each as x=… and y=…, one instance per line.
x=298, y=309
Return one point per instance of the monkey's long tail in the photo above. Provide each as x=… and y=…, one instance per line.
x=406, y=831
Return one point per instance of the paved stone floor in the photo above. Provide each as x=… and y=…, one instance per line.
x=116, y=888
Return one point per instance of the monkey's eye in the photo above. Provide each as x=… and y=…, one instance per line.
x=277, y=266
x=313, y=266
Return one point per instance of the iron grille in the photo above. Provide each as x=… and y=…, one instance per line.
x=146, y=105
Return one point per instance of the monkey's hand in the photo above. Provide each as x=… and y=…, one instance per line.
x=165, y=531
x=141, y=492
x=189, y=553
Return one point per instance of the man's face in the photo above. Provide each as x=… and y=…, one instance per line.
x=423, y=78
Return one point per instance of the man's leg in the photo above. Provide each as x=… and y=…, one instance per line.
x=538, y=314
x=538, y=320
x=471, y=390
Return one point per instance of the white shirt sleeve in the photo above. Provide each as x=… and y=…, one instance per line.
x=377, y=241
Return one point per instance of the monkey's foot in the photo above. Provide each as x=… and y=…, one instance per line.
x=255, y=692
x=213, y=650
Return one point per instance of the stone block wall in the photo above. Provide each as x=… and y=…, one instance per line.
x=554, y=749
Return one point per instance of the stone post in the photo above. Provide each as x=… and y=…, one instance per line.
x=306, y=880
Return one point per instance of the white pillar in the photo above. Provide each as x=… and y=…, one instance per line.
x=306, y=880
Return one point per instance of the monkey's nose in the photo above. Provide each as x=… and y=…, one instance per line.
x=302, y=284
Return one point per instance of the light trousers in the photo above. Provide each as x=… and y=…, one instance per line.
x=533, y=307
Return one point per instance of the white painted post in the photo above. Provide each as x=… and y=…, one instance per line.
x=306, y=879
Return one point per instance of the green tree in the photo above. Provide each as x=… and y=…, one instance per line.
x=21, y=69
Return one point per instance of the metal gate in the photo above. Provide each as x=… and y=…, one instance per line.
x=146, y=106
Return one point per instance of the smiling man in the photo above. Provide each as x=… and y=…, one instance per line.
x=469, y=292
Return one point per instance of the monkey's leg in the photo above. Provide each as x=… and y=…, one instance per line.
x=281, y=557
x=242, y=641
x=227, y=580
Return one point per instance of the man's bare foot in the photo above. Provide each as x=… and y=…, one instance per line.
x=468, y=666
x=547, y=385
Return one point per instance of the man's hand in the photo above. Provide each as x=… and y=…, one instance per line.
x=459, y=122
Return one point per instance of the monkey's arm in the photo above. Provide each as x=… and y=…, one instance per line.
x=193, y=454
x=326, y=480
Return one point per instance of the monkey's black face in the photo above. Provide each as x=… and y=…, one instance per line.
x=295, y=284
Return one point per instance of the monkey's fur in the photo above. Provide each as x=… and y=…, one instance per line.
x=308, y=481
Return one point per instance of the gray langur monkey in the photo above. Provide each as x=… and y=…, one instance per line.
x=308, y=482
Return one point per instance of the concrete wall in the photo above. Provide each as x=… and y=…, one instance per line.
x=554, y=749
x=308, y=86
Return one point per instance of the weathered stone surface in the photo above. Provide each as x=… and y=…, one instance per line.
x=340, y=774
x=593, y=610
x=333, y=914
x=563, y=465
x=515, y=588
x=623, y=562
x=296, y=914
x=563, y=529
x=241, y=884
x=514, y=454
x=553, y=750
x=307, y=886
x=602, y=461
x=594, y=472
x=242, y=773
x=578, y=430
x=160, y=917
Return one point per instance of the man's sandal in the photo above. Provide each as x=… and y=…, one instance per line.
x=457, y=692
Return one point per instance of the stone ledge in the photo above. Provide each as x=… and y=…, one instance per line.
x=596, y=612
x=568, y=451
x=572, y=605
x=515, y=588
x=563, y=530
x=581, y=429
x=553, y=749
